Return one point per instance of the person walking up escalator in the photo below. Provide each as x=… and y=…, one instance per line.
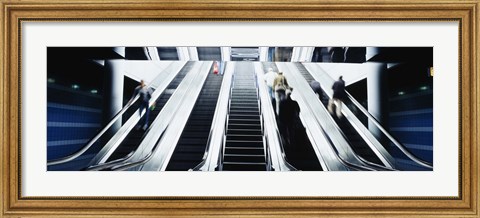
x=280, y=85
x=145, y=95
x=338, y=97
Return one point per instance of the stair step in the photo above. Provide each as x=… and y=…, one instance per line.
x=244, y=150
x=245, y=137
x=244, y=167
x=244, y=104
x=243, y=144
x=244, y=158
x=239, y=112
x=244, y=126
x=244, y=131
x=245, y=121
x=237, y=108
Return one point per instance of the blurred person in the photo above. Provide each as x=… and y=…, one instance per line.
x=269, y=77
x=280, y=85
x=338, y=97
x=145, y=96
x=315, y=85
x=289, y=118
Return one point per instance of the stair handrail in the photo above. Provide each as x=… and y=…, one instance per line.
x=220, y=120
x=384, y=131
x=274, y=144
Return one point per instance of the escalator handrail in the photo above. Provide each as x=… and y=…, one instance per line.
x=386, y=133
x=127, y=164
x=337, y=155
x=169, y=141
x=367, y=164
x=313, y=116
x=266, y=110
x=220, y=119
x=96, y=137
x=112, y=121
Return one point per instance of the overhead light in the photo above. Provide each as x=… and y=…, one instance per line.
x=93, y=91
x=401, y=93
x=51, y=80
x=75, y=86
x=424, y=88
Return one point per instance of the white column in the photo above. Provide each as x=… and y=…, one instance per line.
x=193, y=53
x=226, y=53
x=183, y=54
x=296, y=53
x=377, y=95
x=152, y=53
x=263, y=53
x=302, y=54
x=113, y=87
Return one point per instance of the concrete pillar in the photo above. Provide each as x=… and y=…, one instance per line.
x=377, y=95
x=113, y=87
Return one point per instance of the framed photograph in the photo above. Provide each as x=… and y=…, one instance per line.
x=239, y=109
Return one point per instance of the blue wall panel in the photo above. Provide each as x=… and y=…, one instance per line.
x=75, y=116
x=415, y=120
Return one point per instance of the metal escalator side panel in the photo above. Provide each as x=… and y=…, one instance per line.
x=217, y=131
x=324, y=118
x=165, y=147
x=270, y=125
x=325, y=81
x=103, y=155
x=163, y=118
x=314, y=124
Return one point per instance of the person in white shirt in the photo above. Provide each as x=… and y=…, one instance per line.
x=269, y=77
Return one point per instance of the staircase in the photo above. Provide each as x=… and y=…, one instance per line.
x=134, y=138
x=353, y=138
x=244, y=146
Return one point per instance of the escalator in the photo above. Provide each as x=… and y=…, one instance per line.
x=300, y=155
x=191, y=146
x=244, y=146
x=133, y=139
x=356, y=142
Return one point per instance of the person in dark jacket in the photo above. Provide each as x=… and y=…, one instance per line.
x=338, y=96
x=289, y=117
x=315, y=85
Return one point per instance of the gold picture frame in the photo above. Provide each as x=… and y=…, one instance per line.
x=14, y=12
